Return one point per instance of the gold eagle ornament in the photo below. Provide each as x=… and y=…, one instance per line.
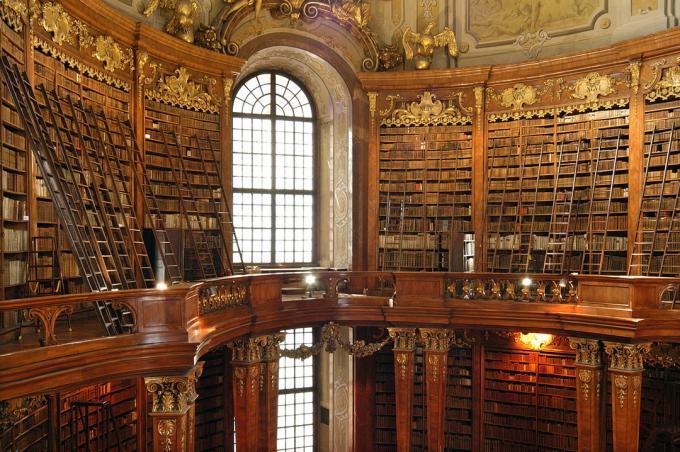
x=425, y=44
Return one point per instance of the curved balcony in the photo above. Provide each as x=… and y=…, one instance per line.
x=173, y=328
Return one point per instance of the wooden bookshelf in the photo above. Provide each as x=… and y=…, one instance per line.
x=211, y=414
x=425, y=194
x=458, y=420
x=656, y=250
x=192, y=129
x=15, y=193
x=385, y=404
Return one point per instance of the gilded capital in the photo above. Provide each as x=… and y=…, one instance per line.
x=173, y=394
x=372, y=102
x=270, y=346
x=436, y=339
x=404, y=338
x=246, y=350
x=587, y=351
x=627, y=357
x=479, y=98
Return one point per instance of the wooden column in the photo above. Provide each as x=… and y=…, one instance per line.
x=270, y=390
x=373, y=183
x=172, y=413
x=246, y=360
x=636, y=152
x=404, y=369
x=479, y=174
x=625, y=374
x=589, y=389
x=436, y=350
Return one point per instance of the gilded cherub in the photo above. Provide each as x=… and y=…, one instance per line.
x=425, y=44
x=183, y=14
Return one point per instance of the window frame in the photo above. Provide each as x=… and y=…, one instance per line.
x=272, y=192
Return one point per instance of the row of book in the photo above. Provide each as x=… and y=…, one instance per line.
x=429, y=186
x=427, y=176
x=14, y=159
x=13, y=209
x=458, y=199
x=424, y=225
x=14, y=240
x=13, y=271
x=429, y=156
x=14, y=182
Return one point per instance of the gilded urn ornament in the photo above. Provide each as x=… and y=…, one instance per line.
x=425, y=43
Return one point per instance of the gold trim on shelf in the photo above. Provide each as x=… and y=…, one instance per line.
x=428, y=110
x=668, y=86
x=179, y=90
x=14, y=13
x=520, y=95
x=97, y=74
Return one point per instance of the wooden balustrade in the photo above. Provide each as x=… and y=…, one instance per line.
x=189, y=320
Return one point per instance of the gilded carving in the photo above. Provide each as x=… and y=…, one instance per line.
x=111, y=54
x=57, y=21
x=331, y=338
x=179, y=90
x=435, y=339
x=668, y=86
x=181, y=16
x=142, y=59
x=166, y=429
x=664, y=355
x=479, y=98
x=390, y=57
x=240, y=376
x=585, y=376
x=433, y=367
x=427, y=111
x=592, y=86
x=626, y=356
x=587, y=351
x=358, y=12
x=637, y=382
x=656, y=71
x=403, y=338
x=246, y=350
x=425, y=44
x=227, y=83
x=517, y=96
x=621, y=383
x=173, y=394
x=14, y=13
x=634, y=71
x=402, y=360
x=12, y=411
x=270, y=346
x=224, y=295
x=207, y=37
x=372, y=102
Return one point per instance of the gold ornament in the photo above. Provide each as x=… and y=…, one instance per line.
x=355, y=11
x=57, y=21
x=427, y=111
x=425, y=44
x=179, y=90
x=14, y=12
x=110, y=53
x=592, y=86
x=182, y=15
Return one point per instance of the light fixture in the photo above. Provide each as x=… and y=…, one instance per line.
x=310, y=280
x=563, y=282
x=161, y=285
x=526, y=281
x=147, y=136
x=535, y=340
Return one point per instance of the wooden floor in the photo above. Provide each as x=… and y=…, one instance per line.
x=84, y=325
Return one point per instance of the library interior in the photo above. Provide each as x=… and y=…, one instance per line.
x=340, y=225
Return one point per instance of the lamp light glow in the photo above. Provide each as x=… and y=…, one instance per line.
x=161, y=286
x=535, y=340
x=526, y=281
x=310, y=280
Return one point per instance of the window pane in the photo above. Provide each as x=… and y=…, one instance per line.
x=294, y=231
x=296, y=402
x=252, y=220
x=294, y=162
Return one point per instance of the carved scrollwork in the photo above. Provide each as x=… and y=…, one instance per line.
x=14, y=13
x=246, y=350
x=173, y=394
x=668, y=86
x=227, y=294
x=428, y=110
x=166, y=430
x=403, y=338
x=179, y=90
x=541, y=291
x=47, y=316
x=627, y=357
x=588, y=351
x=111, y=54
x=592, y=86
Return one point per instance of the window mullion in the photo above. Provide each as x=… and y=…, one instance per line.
x=272, y=118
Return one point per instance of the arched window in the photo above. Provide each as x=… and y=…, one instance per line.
x=274, y=183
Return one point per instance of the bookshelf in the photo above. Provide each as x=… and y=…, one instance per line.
x=458, y=419
x=15, y=190
x=425, y=195
x=660, y=404
x=193, y=130
x=385, y=404
x=211, y=414
x=558, y=193
x=657, y=241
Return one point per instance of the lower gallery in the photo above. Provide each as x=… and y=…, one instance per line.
x=339, y=225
